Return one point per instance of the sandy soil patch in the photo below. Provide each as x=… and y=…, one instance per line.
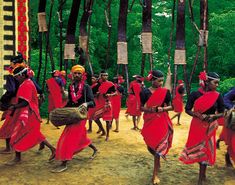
x=123, y=160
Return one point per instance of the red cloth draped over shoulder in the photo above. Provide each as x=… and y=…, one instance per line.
x=54, y=95
x=157, y=130
x=200, y=146
x=104, y=87
x=26, y=133
x=103, y=103
x=133, y=102
x=72, y=140
x=178, y=101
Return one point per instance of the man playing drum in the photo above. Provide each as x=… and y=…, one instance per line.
x=74, y=137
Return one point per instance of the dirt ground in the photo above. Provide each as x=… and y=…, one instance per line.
x=123, y=160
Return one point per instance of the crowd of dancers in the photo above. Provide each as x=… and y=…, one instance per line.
x=21, y=127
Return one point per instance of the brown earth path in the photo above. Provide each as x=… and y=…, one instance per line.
x=123, y=160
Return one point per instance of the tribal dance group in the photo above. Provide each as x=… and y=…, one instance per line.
x=102, y=99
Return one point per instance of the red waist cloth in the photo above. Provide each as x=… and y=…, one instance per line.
x=133, y=105
x=8, y=126
x=200, y=145
x=178, y=104
x=91, y=111
x=103, y=109
x=116, y=105
x=26, y=133
x=158, y=132
x=72, y=140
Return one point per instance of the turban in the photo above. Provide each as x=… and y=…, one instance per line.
x=180, y=82
x=213, y=76
x=157, y=74
x=63, y=73
x=20, y=70
x=78, y=68
x=56, y=73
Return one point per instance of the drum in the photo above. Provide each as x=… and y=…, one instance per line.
x=231, y=119
x=68, y=115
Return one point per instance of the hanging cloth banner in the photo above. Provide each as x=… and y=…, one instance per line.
x=203, y=36
x=122, y=53
x=180, y=54
x=83, y=37
x=69, y=52
x=146, y=36
x=42, y=23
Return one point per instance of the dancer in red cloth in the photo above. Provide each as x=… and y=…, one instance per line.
x=117, y=100
x=105, y=92
x=208, y=106
x=8, y=98
x=55, y=87
x=26, y=133
x=133, y=101
x=157, y=130
x=74, y=137
x=177, y=101
x=228, y=135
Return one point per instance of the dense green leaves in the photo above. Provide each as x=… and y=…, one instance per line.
x=220, y=44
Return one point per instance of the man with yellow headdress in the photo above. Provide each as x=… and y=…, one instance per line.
x=74, y=137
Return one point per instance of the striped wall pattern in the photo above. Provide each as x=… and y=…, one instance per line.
x=13, y=33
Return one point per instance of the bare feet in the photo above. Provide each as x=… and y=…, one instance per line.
x=116, y=130
x=94, y=154
x=135, y=128
x=41, y=146
x=155, y=180
x=218, y=144
x=107, y=138
x=103, y=134
x=52, y=157
x=126, y=115
x=6, y=151
x=59, y=169
x=98, y=131
x=89, y=131
x=178, y=124
x=13, y=162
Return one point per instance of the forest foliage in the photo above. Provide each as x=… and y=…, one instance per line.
x=221, y=38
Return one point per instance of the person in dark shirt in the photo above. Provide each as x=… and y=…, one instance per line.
x=74, y=137
x=157, y=130
x=229, y=99
x=228, y=135
x=205, y=106
x=8, y=98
